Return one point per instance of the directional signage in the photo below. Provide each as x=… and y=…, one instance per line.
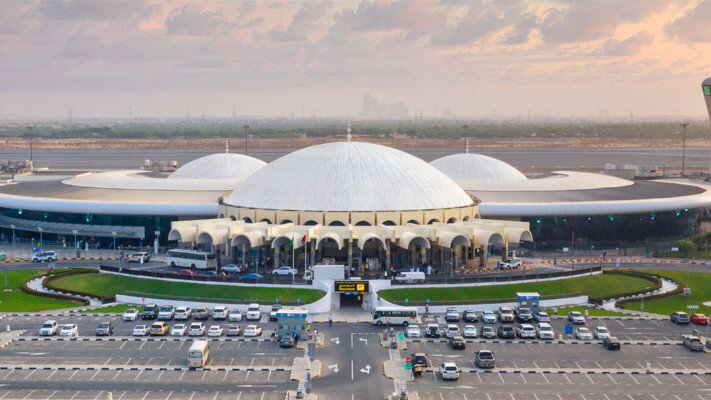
x=351, y=286
x=400, y=336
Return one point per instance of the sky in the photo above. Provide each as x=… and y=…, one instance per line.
x=273, y=58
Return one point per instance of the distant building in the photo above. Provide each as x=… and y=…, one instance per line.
x=372, y=109
x=706, y=87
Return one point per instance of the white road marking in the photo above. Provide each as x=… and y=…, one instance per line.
x=28, y=394
x=351, y=369
x=30, y=374
x=139, y=374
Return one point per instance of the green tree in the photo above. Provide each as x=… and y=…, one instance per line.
x=685, y=246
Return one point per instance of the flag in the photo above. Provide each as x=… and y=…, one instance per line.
x=303, y=239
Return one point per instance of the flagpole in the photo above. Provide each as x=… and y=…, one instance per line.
x=293, y=261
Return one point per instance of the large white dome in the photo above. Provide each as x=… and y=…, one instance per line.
x=219, y=166
x=476, y=167
x=348, y=176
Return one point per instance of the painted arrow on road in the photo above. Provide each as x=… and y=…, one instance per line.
x=363, y=340
x=336, y=340
x=365, y=370
x=334, y=367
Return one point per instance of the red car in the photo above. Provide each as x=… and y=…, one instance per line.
x=699, y=319
x=187, y=272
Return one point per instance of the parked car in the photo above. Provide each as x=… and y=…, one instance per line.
x=197, y=329
x=601, y=332
x=215, y=330
x=432, y=331
x=287, y=341
x=583, y=333
x=137, y=257
x=679, y=318
x=234, y=315
x=419, y=359
x=159, y=329
x=140, y=330
x=575, y=317
x=488, y=332
x=523, y=314
x=44, y=256
x=233, y=330
x=49, y=328
x=692, y=343
x=451, y=315
x=526, y=331
x=699, y=319
x=449, y=371
x=130, y=315
x=506, y=314
x=252, y=330
x=253, y=312
x=233, y=269
x=413, y=331
x=273, y=313
x=283, y=271
x=179, y=330
x=489, y=317
x=470, y=331
x=451, y=331
x=251, y=277
x=187, y=273
x=150, y=311
x=183, y=313
x=545, y=331
x=541, y=316
x=408, y=277
x=470, y=316
x=484, y=359
x=457, y=343
x=104, y=329
x=166, y=313
x=513, y=263
x=611, y=343
x=70, y=330
x=506, y=332
x=219, y=313
x=201, y=313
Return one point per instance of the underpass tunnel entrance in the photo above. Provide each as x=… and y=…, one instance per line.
x=351, y=299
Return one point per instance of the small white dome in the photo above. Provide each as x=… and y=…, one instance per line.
x=219, y=166
x=348, y=176
x=476, y=167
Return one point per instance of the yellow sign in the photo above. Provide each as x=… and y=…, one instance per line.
x=351, y=286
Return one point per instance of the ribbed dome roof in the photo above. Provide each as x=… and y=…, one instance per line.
x=348, y=176
x=476, y=167
x=219, y=166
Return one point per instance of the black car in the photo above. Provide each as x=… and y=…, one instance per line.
x=273, y=313
x=457, y=343
x=419, y=359
x=470, y=316
x=286, y=341
x=611, y=343
x=506, y=332
x=150, y=311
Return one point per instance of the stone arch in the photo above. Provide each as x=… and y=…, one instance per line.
x=362, y=223
x=452, y=220
x=247, y=220
x=414, y=222
x=286, y=221
x=409, y=238
x=310, y=223
x=332, y=236
x=265, y=220
x=388, y=223
x=433, y=221
x=336, y=223
x=466, y=218
x=451, y=239
x=233, y=218
x=371, y=236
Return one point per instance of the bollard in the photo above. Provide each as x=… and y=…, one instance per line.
x=7, y=328
x=649, y=367
x=110, y=396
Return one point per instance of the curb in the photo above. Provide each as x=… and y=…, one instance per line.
x=25, y=260
x=122, y=368
x=137, y=339
x=598, y=342
x=579, y=372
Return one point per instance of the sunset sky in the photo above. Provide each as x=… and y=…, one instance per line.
x=161, y=58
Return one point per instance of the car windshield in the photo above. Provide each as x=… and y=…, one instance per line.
x=486, y=356
x=46, y=325
x=103, y=325
x=450, y=368
x=166, y=308
x=546, y=328
x=67, y=327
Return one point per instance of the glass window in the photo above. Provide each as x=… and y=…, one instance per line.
x=707, y=90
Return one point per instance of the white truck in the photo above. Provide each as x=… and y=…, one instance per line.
x=511, y=263
x=329, y=272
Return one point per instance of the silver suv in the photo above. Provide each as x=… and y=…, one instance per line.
x=44, y=256
x=692, y=343
x=679, y=318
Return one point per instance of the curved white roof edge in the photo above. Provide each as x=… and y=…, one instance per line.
x=563, y=180
x=132, y=180
x=108, y=207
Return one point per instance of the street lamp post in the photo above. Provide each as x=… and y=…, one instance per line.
x=684, y=125
x=13, y=235
x=113, y=234
x=76, y=244
x=246, y=137
x=466, y=138
x=30, y=126
x=39, y=228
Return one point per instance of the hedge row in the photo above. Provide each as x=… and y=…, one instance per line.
x=652, y=278
x=48, y=283
x=31, y=291
x=679, y=290
x=485, y=301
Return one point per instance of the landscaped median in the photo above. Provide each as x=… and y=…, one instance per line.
x=598, y=287
x=698, y=282
x=107, y=286
x=19, y=298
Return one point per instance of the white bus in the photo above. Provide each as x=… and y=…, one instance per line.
x=395, y=316
x=190, y=259
x=198, y=354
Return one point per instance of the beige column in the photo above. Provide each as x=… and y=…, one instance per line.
x=482, y=256
x=505, y=251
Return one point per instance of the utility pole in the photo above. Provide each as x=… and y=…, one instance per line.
x=684, y=125
x=466, y=138
x=246, y=136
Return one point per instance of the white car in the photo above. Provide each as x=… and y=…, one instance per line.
x=413, y=331
x=235, y=315
x=252, y=330
x=526, y=331
x=576, y=317
x=130, y=315
x=489, y=317
x=451, y=331
x=470, y=331
x=253, y=312
x=140, y=330
x=215, y=330
x=601, y=332
x=183, y=313
x=219, y=312
x=44, y=256
x=49, y=328
x=506, y=314
x=545, y=331
x=197, y=329
x=285, y=271
x=166, y=313
x=541, y=316
x=449, y=371
x=233, y=269
x=583, y=334
x=71, y=330
x=179, y=330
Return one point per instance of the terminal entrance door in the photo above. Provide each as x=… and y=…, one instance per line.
x=351, y=299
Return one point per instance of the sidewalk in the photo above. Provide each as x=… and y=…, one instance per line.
x=350, y=315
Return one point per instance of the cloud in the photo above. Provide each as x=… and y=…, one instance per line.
x=482, y=19
x=522, y=29
x=191, y=20
x=14, y=18
x=584, y=21
x=95, y=10
x=306, y=19
x=627, y=47
x=694, y=26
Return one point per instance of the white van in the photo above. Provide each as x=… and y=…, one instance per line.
x=198, y=354
x=253, y=312
x=410, y=277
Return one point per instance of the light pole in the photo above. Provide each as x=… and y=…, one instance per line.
x=13, y=235
x=30, y=126
x=246, y=136
x=466, y=138
x=114, y=236
x=76, y=244
x=684, y=125
x=39, y=228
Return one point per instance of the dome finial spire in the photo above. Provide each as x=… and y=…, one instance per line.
x=348, y=130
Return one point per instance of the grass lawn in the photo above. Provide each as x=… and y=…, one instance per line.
x=595, y=286
x=19, y=301
x=596, y=312
x=700, y=284
x=694, y=254
x=95, y=284
x=113, y=309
